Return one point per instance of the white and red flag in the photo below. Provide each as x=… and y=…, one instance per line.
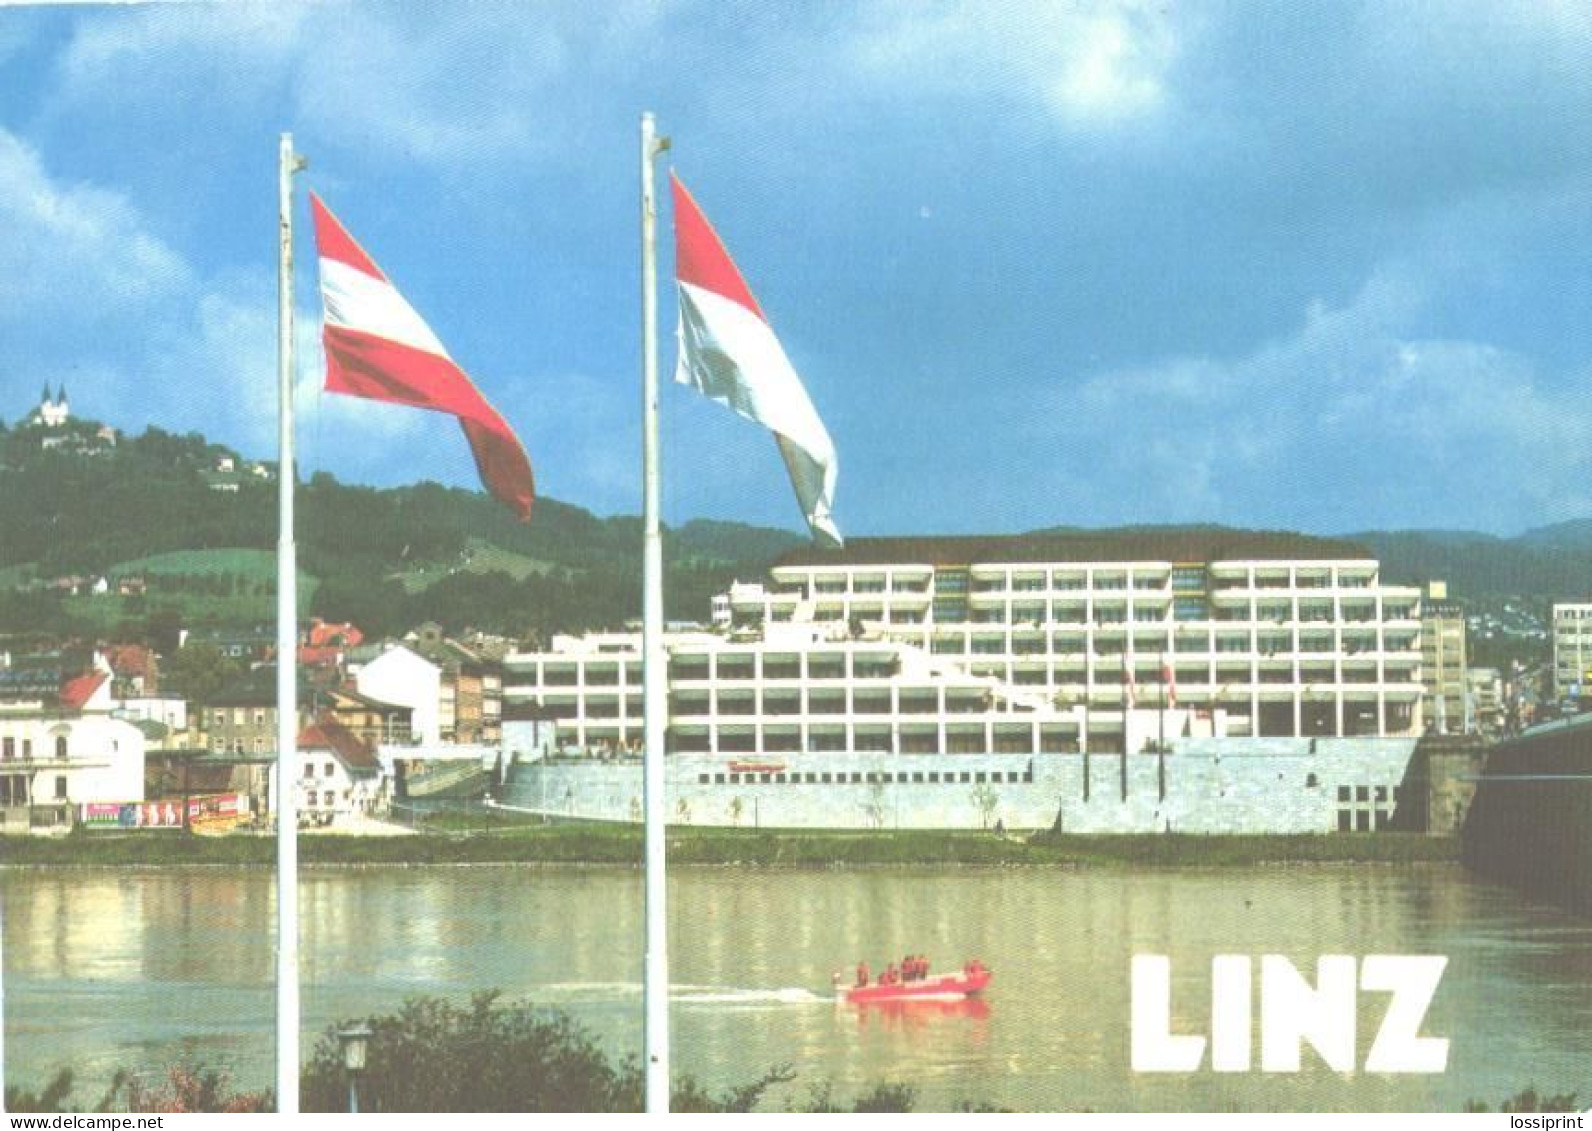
x=1169, y=680
x=728, y=352
x=1130, y=689
x=379, y=348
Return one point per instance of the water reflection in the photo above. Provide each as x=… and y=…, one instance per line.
x=141, y=968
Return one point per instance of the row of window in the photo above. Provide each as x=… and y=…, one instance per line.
x=1365, y=793
x=1184, y=578
x=1363, y=820
x=8, y=748
x=879, y=777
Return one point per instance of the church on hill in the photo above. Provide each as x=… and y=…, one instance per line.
x=54, y=410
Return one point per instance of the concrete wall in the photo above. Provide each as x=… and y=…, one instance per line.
x=1211, y=786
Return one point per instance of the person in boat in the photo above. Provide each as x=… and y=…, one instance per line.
x=891, y=975
x=862, y=974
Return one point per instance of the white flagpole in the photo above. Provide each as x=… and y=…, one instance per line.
x=2, y=1004
x=287, y=924
x=654, y=660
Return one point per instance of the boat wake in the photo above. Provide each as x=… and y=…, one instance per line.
x=788, y=995
x=687, y=995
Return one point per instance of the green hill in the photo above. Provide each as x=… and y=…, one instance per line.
x=386, y=559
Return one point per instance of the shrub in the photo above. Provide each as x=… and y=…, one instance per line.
x=433, y=1055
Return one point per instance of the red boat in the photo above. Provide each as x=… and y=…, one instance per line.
x=968, y=982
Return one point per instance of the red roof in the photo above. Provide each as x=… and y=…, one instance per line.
x=127, y=659
x=329, y=734
x=345, y=635
x=75, y=693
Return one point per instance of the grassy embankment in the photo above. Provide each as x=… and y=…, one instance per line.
x=621, y=845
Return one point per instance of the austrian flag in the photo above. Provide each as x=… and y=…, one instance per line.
x=728, y=352
x=379, y=348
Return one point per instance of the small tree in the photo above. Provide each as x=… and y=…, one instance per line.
x=986, y=800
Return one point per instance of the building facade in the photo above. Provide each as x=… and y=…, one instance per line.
x=1447, y=708
x=399, y=675
x=1572, y=649
x=1031, y=645
x=339, y=775
x=52, y=762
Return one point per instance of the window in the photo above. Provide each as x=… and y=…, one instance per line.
x=9, y=749
x=60, y=748
x=328, y=770
x=328, y=798
x=309, y=770
x=60, y=787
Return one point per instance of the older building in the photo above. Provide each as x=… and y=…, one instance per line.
x=241, y=719
x=1443, y=664
x=52, y=762
x=398, y=674
x=470, y=707
x=339, y=776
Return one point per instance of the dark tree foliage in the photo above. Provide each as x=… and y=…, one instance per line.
x=196, y=672
x=489, y=1056
x=75, y=514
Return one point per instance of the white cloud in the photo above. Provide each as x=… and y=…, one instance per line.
x=74, y=247
x=1354, y=418
x=1095, y=65
x=486, y=82
x=91, y=298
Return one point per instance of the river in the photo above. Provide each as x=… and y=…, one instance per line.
x=105, y=969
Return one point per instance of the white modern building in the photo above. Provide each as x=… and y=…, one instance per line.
x=1572, y=649
x=1027, y=645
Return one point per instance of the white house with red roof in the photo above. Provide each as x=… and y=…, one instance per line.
x=89, y=693
x=339, y=776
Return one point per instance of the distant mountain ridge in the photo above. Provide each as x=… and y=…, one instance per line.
x=384, y=557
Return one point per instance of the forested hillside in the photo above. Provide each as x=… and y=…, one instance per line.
x=384, y=558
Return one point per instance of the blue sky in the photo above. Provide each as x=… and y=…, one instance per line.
x=1322, y=267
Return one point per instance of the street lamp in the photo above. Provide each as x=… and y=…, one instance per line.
x=354, y=1041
